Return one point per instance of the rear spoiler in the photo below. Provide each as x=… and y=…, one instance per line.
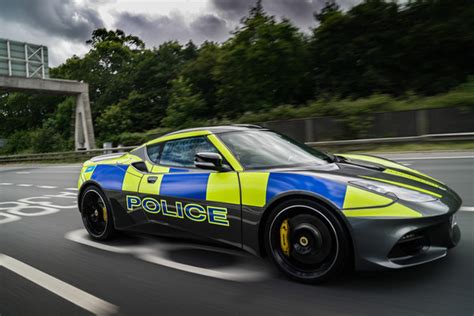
x=107, y=156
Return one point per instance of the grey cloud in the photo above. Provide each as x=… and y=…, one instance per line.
x=64, y=25
x=61, y=18
x=210, y=26
x=300, y=12
x=157, y=29
x=234, y=9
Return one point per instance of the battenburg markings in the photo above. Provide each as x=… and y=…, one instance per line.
x=90, y=169
x=194, y=212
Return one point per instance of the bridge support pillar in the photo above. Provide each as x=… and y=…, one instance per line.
x=84, y=129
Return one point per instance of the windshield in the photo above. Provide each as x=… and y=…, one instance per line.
x=267, y=149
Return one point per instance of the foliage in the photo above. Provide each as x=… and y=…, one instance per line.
x=263, y=64
x=185, y=107
x=379, y=55
x=385, y=47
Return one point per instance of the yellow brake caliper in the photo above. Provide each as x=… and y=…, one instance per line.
x=104, y=213
x=285, y=245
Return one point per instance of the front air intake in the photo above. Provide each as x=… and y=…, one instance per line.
x=410, y=245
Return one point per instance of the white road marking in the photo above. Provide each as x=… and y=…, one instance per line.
x=36, y=206
x=156, y=253
x=46, y=186
x=7, y=218
x=433, y=158
x=72, y=189
x=6, y=183
x=22, y=172
x=26, y=210
x=74, y=295
x=24, y=185
x=467, y=209
x=46, y=204
x=64, y=194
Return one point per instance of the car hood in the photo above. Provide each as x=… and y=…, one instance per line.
x=351, y=167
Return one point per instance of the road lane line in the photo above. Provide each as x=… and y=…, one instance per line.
x=22, y=172
x=74, y=295
x=72, y=189
x=53, y=172
x=24, y=185
x=433, y=158
x=6, y=183
x=46, y=186
x=467, y=209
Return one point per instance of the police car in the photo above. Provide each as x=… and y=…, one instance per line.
x=312, y=213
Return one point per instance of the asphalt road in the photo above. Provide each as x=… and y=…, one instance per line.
x=42, y=242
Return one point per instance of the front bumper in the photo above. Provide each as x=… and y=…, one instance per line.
x=397, y=243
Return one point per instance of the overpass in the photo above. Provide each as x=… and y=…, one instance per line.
x=24, y=68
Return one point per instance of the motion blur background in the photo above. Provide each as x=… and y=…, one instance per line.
x=364, y=69
x=317, y=71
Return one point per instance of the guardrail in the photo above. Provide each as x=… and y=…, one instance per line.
x=65, y=155
x=394, y=140
x=82, y=155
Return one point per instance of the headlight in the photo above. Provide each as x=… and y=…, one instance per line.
x=393, y=190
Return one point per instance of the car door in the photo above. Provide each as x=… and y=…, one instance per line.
x=178, y=194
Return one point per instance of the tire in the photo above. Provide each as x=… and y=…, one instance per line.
x=317, y=244
x=98, y=221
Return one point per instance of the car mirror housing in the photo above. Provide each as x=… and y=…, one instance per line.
x=210, y=161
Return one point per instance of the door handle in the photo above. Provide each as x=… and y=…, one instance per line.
x=152, y=179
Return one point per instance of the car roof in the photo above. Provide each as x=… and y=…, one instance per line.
x=218, y=129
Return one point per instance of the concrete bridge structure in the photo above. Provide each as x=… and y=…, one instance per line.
x=84, y=129
x=24, y=67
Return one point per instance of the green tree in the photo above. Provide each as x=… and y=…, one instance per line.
x=201, y=74
x=185, y=107
x=375, y=50
x=354, y=58
x=114, y=120
x=107, y=67
x=384, y=47
x=436, y=46
x=263, y=64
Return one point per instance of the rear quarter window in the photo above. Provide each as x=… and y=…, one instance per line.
x=154, y=152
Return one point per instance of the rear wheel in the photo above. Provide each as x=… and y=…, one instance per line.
x=96, y=214
x=306, y=241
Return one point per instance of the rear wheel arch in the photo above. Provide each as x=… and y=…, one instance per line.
x=309, y=197
x=83, y=188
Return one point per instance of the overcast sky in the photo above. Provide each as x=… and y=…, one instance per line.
x=64, y=25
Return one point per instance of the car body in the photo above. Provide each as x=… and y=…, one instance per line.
x=227, y=183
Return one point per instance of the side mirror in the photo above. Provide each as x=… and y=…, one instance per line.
x=209, y=161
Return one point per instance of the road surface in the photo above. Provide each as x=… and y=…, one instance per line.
x=48, y=266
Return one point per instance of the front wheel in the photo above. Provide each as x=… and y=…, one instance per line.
x=306, y=241
x=96, y=214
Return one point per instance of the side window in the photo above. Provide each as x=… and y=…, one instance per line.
x=181, y=152
x=153, y=152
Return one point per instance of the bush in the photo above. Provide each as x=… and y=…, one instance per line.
x=18, y=142
x=46, y=140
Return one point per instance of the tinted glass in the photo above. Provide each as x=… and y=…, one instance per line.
x=154, y=152
x=181, y=152
x=265, y=149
